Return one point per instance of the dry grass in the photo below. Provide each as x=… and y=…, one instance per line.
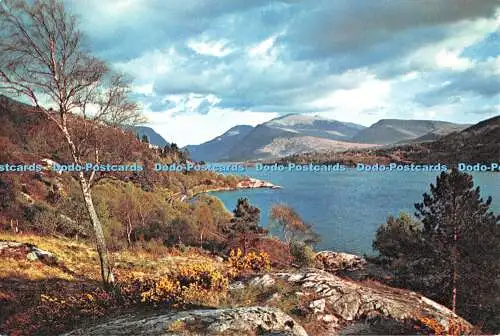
x=82, y=259
x=22, y=281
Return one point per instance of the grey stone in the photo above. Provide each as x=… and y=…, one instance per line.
x=265, y=281
x=234, y=321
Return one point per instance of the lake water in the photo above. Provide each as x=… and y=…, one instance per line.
x=346, y=208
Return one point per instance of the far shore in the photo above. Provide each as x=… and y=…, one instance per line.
x=245, y=183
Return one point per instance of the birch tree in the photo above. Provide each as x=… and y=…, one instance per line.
x=43, y=58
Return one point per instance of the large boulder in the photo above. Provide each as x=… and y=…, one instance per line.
x=231, y=321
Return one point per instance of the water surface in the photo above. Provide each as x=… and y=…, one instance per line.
x=346, y=208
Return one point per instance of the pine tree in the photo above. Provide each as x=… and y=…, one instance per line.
x=245, y=223
x=454, y=256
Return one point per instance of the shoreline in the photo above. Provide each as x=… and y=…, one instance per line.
x=245, y=183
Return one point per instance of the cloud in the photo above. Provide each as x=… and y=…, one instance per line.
x=354, y=60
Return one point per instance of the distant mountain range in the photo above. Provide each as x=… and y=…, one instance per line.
x=153, y=137
x=294, y=134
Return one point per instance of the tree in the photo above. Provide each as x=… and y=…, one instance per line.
x=454, y=255
x=291, y=225
x=245, y=223
x=42, y=57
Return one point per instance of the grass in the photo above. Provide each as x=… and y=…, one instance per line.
x=22, y=282
x=82, y=259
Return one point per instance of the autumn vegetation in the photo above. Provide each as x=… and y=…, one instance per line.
x=146, y=240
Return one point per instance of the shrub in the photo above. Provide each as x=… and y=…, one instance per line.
x=252, y=261
x=303, y=254
x=455, y=328
x=195, y=284
x=56, y=314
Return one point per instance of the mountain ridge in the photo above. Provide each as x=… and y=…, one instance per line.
x=390, y=131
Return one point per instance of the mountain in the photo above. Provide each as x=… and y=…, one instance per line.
x=390, y=131
x=294, y=133
x=478, y=143
x=315, y=126
x=153, y=137
x=437, y=133
x=218, y=147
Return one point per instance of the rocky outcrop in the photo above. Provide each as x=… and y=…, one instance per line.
x=339, y=261
x=249, y=183
x=232, y=321
x=338, y=302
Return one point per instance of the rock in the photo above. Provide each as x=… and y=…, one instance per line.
x=250, y=183
x=347, y=302
x=339, y=261
x=219, y=259
x=264, y=281
x=328, y=318
x=235, y=321
x=237, y=285
x=318, y=306
x=32, y=256
x=31, y=252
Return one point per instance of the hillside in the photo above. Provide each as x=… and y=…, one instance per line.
x=268, y=139
x=51, y=285
x=49, y=202
x=389, y=131
x=153, y=137
x=478, y=143
x=217, y=148
x=437, y=133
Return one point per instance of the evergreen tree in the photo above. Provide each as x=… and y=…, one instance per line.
x=245, y=223
x=454, y=256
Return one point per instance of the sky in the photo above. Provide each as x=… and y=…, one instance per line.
x=201, y=67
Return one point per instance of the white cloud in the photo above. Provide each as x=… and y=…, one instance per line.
x=451, y=60
x=371, y=93
x=190, y=129
x=211, y=48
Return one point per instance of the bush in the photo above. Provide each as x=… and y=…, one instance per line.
x=303, y=254
x=252, y=261
x=196, y=284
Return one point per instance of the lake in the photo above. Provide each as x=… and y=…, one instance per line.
x=346, y=208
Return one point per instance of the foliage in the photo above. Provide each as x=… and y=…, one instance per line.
x=433, y=327
x=249, y=262
x=452, y=256
x=398, y=237
x=302, y=253
x=194, y=284
x=244, y=226
x=291, y=225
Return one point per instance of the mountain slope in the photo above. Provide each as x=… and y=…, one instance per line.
x=389, y=131
x=153, y=137
x=218, y=147
x=478, y=143
x=438, y=133
x=260, y=141
x=316, y=126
